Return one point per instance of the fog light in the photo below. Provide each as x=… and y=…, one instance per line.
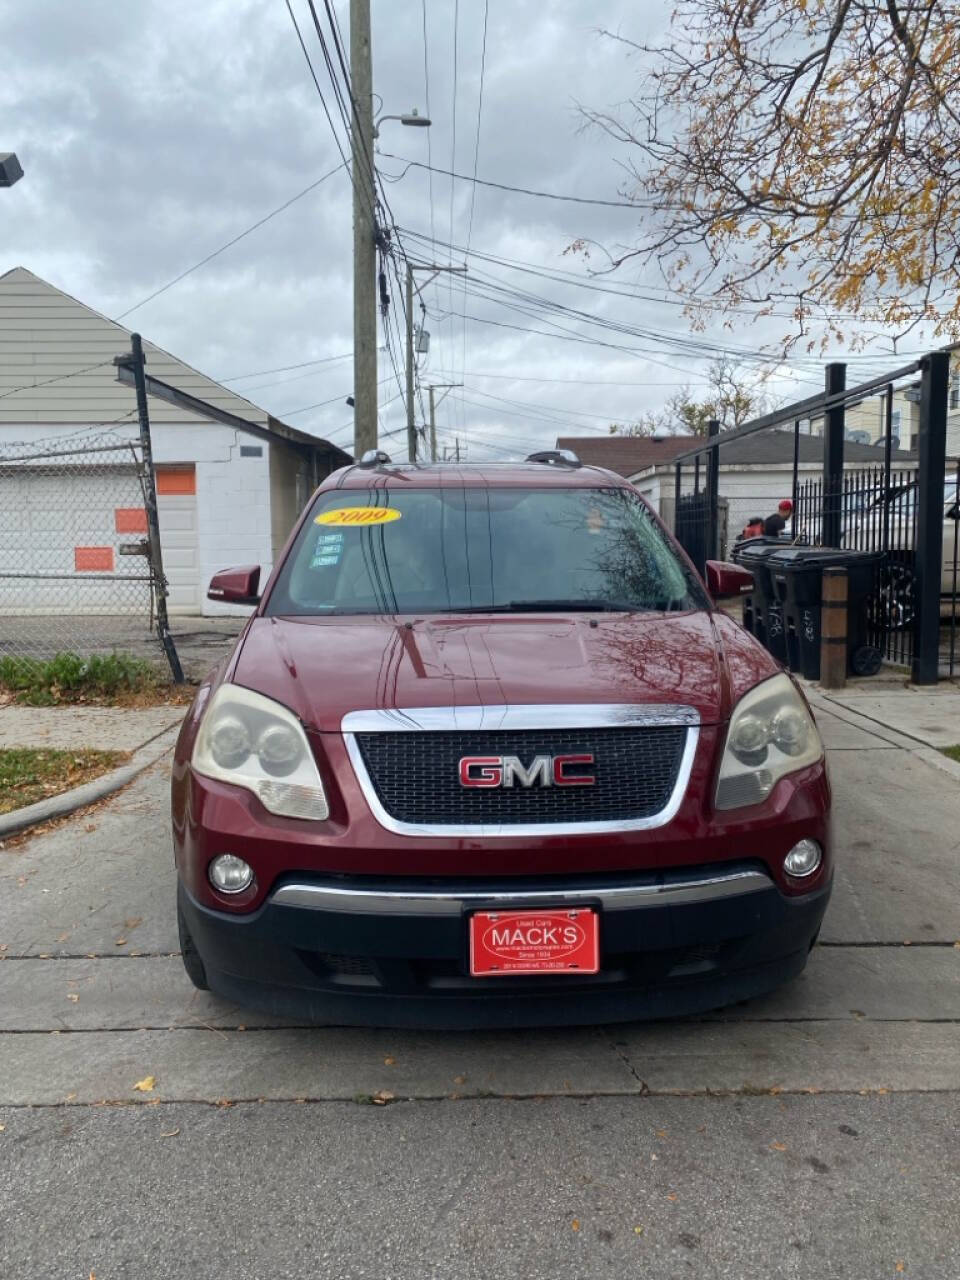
x=803, y=859
x=231, y=874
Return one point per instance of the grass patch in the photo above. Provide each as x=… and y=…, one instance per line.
x=952, y=752
x=68, y=678
x=28, y=775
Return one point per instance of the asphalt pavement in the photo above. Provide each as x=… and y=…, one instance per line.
x=813, y=1133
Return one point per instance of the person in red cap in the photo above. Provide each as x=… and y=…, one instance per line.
x=774, y=525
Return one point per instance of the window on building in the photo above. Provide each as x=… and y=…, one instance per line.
x=955, y=390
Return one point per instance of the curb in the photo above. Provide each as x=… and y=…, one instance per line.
x=917, y=747
x=68, y=802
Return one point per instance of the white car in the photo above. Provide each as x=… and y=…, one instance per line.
x=898, y=512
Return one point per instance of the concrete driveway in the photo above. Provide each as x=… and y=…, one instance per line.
x=811, y=1133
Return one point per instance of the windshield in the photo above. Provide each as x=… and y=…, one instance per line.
x=481, y=550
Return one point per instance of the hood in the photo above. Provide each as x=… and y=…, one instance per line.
x=323, y=668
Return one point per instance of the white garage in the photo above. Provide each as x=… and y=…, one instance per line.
x=226, y=494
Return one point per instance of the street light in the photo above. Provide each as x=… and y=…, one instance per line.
x=10, y=170
x=413, y=120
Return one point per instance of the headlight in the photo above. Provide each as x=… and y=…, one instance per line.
x=771, y=734
x=259, y=744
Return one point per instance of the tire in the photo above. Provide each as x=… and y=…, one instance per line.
x=190, y=955
x=897, y=599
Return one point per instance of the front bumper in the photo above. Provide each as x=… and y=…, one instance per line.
x=362, y=951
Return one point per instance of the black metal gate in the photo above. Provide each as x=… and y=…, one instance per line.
x=910, y=511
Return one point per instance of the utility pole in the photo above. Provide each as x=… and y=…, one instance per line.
x=411, y=427
x=364, y=234
x=433, y=427
x=437, y=386
x=411, y=292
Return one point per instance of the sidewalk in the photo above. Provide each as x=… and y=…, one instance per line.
x=146, y=733
x=922, y=721
x=100, y=728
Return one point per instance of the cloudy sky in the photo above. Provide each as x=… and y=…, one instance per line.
x=152, y=134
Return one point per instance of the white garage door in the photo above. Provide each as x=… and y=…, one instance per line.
x=177, y=511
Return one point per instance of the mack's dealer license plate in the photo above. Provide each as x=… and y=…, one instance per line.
x=517, y=942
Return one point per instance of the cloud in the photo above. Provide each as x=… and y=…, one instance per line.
x=151, y=134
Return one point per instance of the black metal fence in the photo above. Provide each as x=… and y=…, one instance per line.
x=865, y=469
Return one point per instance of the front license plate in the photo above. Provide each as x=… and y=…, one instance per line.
x=503, y=943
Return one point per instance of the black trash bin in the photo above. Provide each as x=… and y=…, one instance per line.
x=797, y=579
x=762, y=610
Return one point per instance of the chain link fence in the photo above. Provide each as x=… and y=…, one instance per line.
x=76, y=570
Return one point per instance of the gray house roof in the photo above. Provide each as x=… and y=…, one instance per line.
x=56, y=366
x=633, y=455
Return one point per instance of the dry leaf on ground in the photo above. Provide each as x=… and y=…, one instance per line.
x=146, y=1085
x=382, y=1097
x=778, y=1146
x=575, y=1224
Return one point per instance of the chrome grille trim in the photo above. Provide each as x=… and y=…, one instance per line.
x=613, y=898
x=549, y=716
x=575, y=715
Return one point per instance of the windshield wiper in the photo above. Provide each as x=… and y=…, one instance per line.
x=572, y=606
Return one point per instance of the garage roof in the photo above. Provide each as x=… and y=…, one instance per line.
x=56, y=366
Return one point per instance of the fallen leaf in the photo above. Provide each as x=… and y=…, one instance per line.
x=72, y=996
x=382, y=1097
x=62, y=937
x=91, y=826
x=120, y=942
x=459, y=1079
x=901, y=1267
x=131, y=922
x=778, y=1146
x=575, y=1224
x=70, y=1097
x=661, y=1133
x=172, y=1134
x=672, y=1195
x=5, y=945
x=638, y=1231
x=2, y=1127
x=389, y=1062
x=146, y=1085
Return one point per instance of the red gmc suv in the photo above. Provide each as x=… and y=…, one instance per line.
x=487, y=753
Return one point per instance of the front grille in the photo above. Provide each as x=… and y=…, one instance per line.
x=417, y=775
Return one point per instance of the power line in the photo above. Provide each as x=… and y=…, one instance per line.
x=313, y=74
x=285, y=368
x=580, y=382
x=229, y=244
x=473, y=189
x=506, y=186
x=73, y=373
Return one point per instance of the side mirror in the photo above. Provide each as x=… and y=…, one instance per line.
x=728, y=580
x=236, y=586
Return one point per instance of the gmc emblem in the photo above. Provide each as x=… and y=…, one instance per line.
x=544, y=771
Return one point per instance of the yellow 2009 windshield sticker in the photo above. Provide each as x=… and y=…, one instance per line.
x=358, y=516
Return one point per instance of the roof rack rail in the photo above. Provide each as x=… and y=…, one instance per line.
x=555, y=458
x=374, y=458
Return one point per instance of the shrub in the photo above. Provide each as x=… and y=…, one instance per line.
x=67, y=677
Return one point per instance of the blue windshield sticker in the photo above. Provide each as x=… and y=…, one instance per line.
x=321, y=561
